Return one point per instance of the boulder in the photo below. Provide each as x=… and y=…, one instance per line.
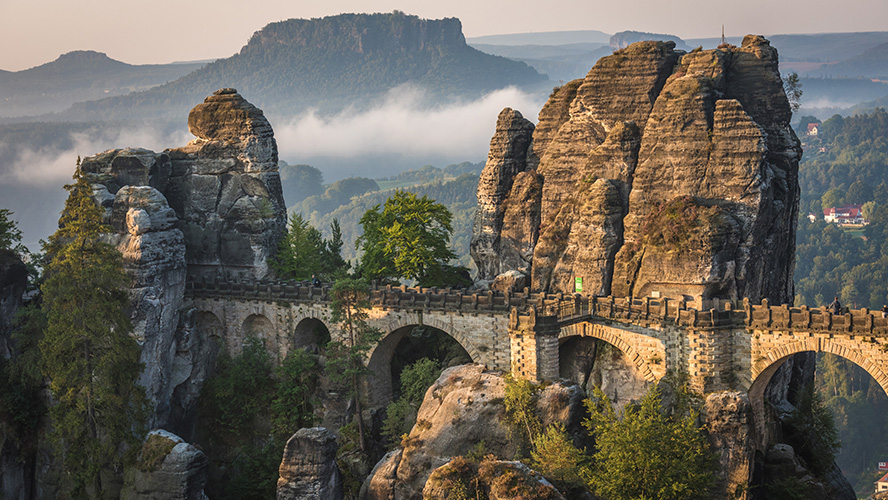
x=462, y=409
x=308, y=470
x=168, y=468
x=510, y=281
x=502, y=480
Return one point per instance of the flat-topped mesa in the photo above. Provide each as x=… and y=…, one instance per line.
x=663, y=173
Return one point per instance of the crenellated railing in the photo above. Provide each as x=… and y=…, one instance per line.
x=709, y=313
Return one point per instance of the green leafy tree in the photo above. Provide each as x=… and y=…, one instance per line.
x=521, y=416
x=400, y=415
x=332, y=262
x=555, y=456
x=346, y=354
x=813, y=432
x=303, y=251
x=293, y=405
x=300, y=250
x=645, y=454
x=408, y=238
x=792, y=85
x=87, y=351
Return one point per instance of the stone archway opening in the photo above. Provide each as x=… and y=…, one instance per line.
x=310, y=334
x=259, y=326
x=589, y=361
x=844, y=389
x=403, y=347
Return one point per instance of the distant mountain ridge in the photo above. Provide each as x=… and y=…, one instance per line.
x=331, y=63
x=78, y=76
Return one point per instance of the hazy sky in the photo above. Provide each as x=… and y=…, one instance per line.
x=159, y=31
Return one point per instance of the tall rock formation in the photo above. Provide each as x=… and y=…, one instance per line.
x=495, y=247
x=662, y=172
x=213, y=208
x=226, y=189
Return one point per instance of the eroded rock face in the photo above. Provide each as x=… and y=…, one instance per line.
x=213, y=208
x=168, y=469
x=490, y=248
x=226, y=189
x=308, y=470
x=153, y=248
x=13, y=281
x=650, y=129
x=463, y=408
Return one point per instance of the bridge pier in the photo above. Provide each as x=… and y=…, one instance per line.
x=533, y=345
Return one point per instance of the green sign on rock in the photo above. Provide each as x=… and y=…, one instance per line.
x=578, y=284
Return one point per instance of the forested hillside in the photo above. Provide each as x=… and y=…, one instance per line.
x=347, y=200
x=847, y=163
x=331, y=63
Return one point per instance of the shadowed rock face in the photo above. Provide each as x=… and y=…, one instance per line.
x=661, y=171
x=211, y=208
x=226, y=189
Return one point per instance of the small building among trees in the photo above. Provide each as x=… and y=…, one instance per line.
x=849, y=214
x=882, y=484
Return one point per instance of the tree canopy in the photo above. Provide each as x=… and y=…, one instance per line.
x=304, y=253
x=645, y=454
x=408, y=238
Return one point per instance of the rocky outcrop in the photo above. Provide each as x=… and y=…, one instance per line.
x=462, y=409
x=213, y=208
x=729, y=426
x=500, y=480
x=153, y=248
x=662, y=172
x=13, y=281
x=308, y=470
x=494, y=251
x=226, y=189
x=168, y=469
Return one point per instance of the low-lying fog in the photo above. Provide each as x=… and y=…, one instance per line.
x=399, y=133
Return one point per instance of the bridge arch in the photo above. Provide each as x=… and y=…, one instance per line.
x=259, y=326
x=639, y=352
x=770, y=361
x=765, y=366
x=379, y=360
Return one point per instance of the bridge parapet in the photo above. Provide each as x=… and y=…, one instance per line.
x=383, y=296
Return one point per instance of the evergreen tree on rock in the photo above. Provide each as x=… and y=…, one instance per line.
x=90, y=358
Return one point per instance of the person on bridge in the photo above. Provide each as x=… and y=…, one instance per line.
x=836, y=306
x=885, y=311
x=315, y=282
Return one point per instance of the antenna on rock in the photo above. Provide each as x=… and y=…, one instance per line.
x=723, y=35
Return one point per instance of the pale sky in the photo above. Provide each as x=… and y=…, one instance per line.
x=159, y=31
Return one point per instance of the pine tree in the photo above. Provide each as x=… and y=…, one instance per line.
x=88, y=355
x=300, y=252
x=346, y=356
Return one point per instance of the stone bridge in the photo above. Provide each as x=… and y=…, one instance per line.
x=720, y=345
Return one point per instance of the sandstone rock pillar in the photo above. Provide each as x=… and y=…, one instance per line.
x=308, y=469
x=533, y=343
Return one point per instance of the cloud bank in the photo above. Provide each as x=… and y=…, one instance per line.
x=403, y=124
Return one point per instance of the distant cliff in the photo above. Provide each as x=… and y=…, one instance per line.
x=333, y=62
x=662, y=172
